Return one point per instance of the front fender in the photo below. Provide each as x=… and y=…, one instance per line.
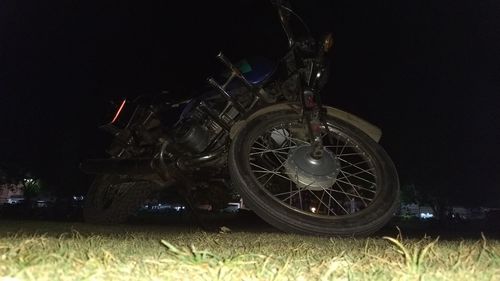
x=371, y=130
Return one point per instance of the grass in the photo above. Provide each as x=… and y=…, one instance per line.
x=32, y=250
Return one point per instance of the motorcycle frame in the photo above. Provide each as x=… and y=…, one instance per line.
x=309, y=106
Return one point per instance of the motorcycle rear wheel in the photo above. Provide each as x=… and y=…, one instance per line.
x=357, y=196
x=112, y=201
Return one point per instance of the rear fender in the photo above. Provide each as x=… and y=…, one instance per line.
x=371, y=130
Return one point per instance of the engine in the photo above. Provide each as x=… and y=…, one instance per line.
x=192, y=136
x=207, y=123
x=197, y=132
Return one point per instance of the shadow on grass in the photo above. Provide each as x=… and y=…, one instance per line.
x=237, y=222
x=151, y=224
x=447, y=230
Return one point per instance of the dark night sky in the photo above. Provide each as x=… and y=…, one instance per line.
x=426, y=72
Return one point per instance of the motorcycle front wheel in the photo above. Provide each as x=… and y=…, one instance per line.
x=352, y=190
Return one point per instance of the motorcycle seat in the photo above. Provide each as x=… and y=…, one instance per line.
x=257, y=70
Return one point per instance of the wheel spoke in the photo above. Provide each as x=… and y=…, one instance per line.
x=348, y=195
x=337, y=146
x=267, y=172
x=347, y=175
x=355, y=190
x=267, y=150
x=280, y=166
x=357, y=186
x=350, y=154
x=291, y=196
x=342, y=149
x=264, y=170
x=323, y=203
x=329, y=204
x=367, y=171
x=355, y=165
x=319, y=205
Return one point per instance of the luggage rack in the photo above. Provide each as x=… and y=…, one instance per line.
x=227, y=115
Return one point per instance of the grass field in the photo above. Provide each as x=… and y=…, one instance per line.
x=31, y=250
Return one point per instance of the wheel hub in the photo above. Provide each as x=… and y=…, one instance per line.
x=310, y=173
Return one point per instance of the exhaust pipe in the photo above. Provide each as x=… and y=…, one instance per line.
x=184, y=163
x=143, y=166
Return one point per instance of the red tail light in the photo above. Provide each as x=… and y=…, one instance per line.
x=117, y=114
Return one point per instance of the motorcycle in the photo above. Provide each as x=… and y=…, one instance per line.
x=300, y=165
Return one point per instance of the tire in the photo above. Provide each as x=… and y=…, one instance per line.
x=112, y=201
x=359, y=201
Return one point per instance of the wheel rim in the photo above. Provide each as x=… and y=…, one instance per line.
x=354, y=184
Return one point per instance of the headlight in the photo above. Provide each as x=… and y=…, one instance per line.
x=327, y=42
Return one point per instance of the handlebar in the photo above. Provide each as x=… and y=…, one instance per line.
x=284, y=12
x=284, y=16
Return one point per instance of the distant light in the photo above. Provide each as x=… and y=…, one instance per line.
x=29, y=180
x=313, y=209
x=426, y=215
